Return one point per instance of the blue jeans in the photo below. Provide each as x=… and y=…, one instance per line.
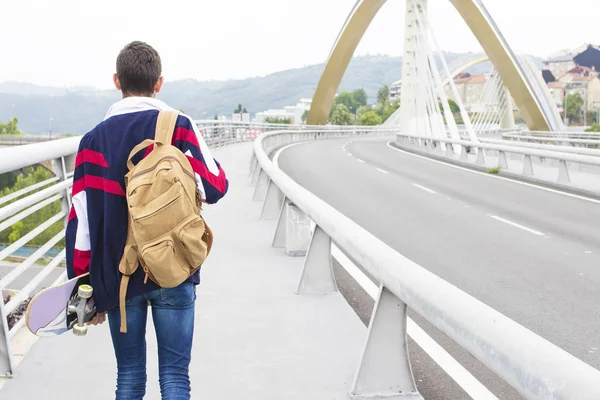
x=173, y=316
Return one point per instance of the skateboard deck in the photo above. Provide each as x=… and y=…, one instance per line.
x=60, y=308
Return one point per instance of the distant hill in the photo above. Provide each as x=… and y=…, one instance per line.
x=77, y=110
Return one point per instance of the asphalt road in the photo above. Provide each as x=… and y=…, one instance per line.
x=529, y=253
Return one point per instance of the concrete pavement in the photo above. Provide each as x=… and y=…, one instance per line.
x=254, y=337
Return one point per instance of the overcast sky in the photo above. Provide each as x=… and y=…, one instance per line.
x=75, y=42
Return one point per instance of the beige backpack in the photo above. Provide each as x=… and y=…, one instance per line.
x=166, y=232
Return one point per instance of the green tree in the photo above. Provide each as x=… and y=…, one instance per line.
x=370, y=118
x=593, y=128
x=278, y=120
x=383, y=96
x=454, y=108
x=238, y=110
x=341, y=115
x=216, y=117
x=361, y=111
x=389, y=110
x=30, y=177
x=10, y=128
x=305, y=115
x=360, y=97
x=347, y=99
x=574, y=103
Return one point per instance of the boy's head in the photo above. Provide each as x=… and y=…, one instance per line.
x=138, y=70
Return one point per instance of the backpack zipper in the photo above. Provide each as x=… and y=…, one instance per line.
x=154, y=166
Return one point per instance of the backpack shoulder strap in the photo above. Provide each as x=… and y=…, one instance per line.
x=165, y=125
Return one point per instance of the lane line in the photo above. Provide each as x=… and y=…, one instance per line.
x=516, y=225
x=360, y=161
x=475, y=389
x=388, y=144
x=382, y=171
x=424, y=188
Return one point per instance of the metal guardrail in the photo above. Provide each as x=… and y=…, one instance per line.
x=536, y=368
x=532, y=150
x=26, y=202
x=572, y=139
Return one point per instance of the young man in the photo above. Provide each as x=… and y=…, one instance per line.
x=97, y=228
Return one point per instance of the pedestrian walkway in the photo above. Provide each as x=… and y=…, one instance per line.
x=254, y=337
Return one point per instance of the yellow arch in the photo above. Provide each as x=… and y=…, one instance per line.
x=480, y=24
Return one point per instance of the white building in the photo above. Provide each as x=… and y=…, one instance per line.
x=294, y=113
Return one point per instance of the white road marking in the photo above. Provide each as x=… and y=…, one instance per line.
x=350, y=154
x=496, y=176
x=453, y=368
x=424, y=188
x=588, y=252
x=382, y=171
x=516, y=225
x=360, y=161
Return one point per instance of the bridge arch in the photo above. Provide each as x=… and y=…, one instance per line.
x=529, y=101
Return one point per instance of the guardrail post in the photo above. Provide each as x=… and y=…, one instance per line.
x=253, y=163
x=297, y=231
x=60, y=170
x=563, y=172
x=279, y=238
x=502, y=162
x=384, y=370
x=6, y=356
x=261, y=186
x=449, y=151
x=464, y=153
x=272, y=204
x=317, y=274
x=480, y=157
x=527, y=166
x=255, y=175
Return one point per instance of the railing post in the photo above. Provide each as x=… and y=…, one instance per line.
x=279, y=239
x=297, y=231
x=60, y=170
x=563, y=172
x=502, y=162
x=480, y=157
x=272, y=204
x=384, y=370
x=463, y=153
x=261, y=186
x=449, y=151
x=527, y=166
x=6, y=356
x=317, y=274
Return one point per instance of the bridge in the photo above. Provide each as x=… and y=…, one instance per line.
x=422, y=259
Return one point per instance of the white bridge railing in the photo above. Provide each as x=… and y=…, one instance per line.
x=536, y=368
x=560, y=158
x=59, y=157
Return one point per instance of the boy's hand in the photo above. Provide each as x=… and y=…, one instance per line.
x=98, y=319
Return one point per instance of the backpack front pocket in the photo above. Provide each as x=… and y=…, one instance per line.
x=189, y=235
x=164, y=263
x=161, y=215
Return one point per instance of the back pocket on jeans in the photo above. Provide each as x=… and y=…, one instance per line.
x=179, y=296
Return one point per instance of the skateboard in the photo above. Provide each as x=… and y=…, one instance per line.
x=60, y=308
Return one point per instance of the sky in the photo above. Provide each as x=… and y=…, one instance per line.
x=75, y=43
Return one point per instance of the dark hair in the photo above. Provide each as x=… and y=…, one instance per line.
x=138, y=69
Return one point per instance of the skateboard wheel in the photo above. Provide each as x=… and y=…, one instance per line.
x=85, y=291
x=79, y=330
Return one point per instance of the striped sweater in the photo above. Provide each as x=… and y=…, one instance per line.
x=97, y=226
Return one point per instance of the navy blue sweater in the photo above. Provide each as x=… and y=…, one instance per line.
x=97, y=227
